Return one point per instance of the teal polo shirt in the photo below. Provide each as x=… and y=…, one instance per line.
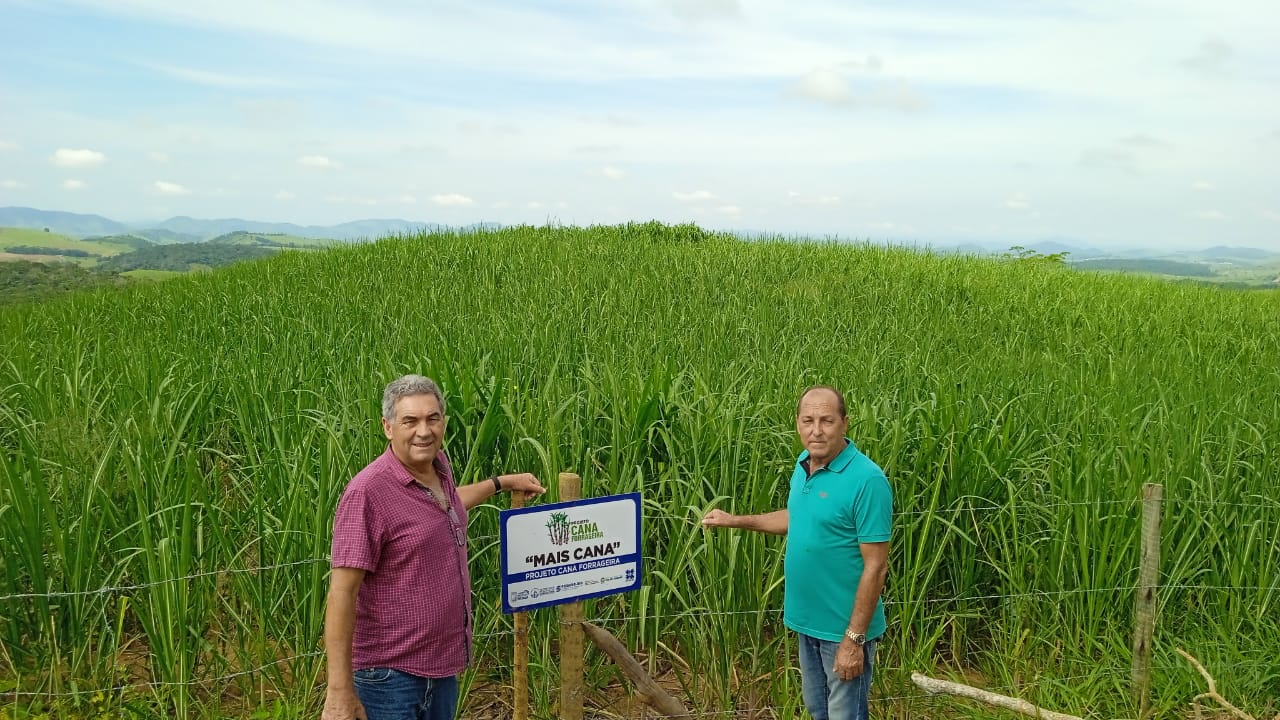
x=845, y=503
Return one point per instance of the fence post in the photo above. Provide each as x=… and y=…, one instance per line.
x=520, y=674
x=1148, y=577
x=570, y=629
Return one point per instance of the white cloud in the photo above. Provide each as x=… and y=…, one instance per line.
x=824, y=85
x=158, y=157
x=285, y=195
x=1017, y=202
x=872, y=64
x=452, y=200
x=319, y=161
x=12, y=184
x=830, y=87
x=694, y=196
x=6, y=146
x=729, y=210
x=1202, y=186
x=608, y=172
x=168, y=188
x=533, y=205
x=72, y=184
x=408, y=199
x=64, y=157
x=1211, y=215
x=828, y=200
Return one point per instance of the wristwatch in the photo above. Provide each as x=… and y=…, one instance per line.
x=857, y=638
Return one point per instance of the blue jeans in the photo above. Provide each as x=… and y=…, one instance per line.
x=826, y=696
x=389, y=694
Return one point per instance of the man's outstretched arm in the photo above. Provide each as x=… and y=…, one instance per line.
x=773, y=523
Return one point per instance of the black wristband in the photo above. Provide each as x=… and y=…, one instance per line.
x=497, y=484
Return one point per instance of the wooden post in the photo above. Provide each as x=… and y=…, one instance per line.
x=570, y=629
x=1145, y=614
x=520, y=673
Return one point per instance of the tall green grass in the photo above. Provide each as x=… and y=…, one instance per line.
x=204, y=427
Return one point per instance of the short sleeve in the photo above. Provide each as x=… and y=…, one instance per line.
x=873, y=509
x=356, y=537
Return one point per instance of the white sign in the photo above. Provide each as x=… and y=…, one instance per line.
x=554, y=554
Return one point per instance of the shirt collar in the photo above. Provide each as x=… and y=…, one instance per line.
x=837, y=464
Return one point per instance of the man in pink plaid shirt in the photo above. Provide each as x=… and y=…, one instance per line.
x=397, y=628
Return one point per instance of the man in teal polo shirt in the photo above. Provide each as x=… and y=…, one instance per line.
x=837, y=522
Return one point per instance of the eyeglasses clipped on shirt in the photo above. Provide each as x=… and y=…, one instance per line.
x=455, y=524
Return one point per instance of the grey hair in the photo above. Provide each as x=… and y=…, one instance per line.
x=405, y=386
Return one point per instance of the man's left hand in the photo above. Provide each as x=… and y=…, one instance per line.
x=849, y=660
x=524, y=483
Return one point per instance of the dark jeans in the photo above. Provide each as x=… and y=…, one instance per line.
x=394, y=695
x=826, y=696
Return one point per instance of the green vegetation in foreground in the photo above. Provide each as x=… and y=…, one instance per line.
x=209, y=423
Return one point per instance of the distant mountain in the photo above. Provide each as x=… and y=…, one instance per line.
x=205, y=229
x=372, y=229
x=1235, y=253
x=73, y=224
x=1052, y=247
x=354, y=230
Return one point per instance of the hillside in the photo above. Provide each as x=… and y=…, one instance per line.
x=185, y=257
x=209, y=423
x=52, y=244
x=274, y=240
x=1151, y=266
x=25, y=281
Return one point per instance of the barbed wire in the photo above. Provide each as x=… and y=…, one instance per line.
x=700, y=613
x=153, y=583
x=161, y=683
x=689, y=519
x=1035, y=593
x=957, y=508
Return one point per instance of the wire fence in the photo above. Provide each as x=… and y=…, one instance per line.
x=689, y=519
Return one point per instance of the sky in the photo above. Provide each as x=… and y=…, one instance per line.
x=1108, y=123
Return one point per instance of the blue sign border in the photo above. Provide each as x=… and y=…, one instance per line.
x=637, y=557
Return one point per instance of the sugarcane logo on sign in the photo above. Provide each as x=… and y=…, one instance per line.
x=558, y=528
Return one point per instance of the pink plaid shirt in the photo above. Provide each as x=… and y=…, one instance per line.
x=413, y=612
